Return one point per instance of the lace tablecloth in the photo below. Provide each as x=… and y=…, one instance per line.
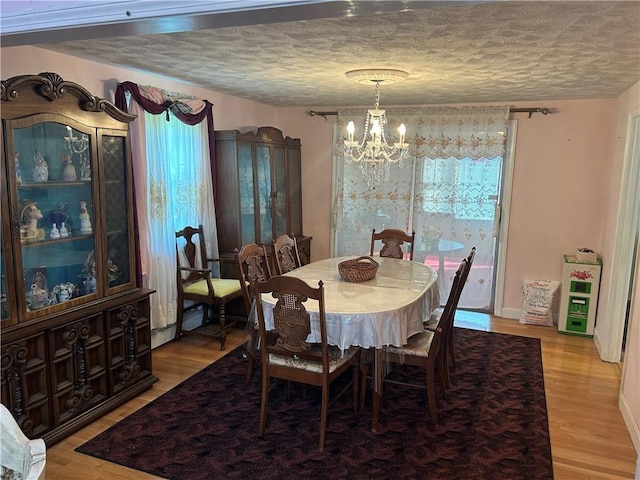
x=386, y=310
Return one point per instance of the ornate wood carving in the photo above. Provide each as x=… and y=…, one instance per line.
x=52, y=87
x=76, y=336
x=128, y=318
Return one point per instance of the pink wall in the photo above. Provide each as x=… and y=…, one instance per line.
x=101, y=80
x=561, y=183
x=560, y=195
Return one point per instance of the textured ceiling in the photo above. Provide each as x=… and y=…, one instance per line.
x=484, y=52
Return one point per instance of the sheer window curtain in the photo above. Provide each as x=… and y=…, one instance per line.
x=174, y=188
x=447, y=189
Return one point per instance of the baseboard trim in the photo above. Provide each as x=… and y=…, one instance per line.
x=513, y=313
x=632, y=426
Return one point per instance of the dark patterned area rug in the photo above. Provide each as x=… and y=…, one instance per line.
x=492, y=425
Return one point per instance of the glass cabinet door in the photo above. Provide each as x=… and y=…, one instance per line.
x=263, y=169
x=54, y=200
x=119, y=249
x=246, y=189
x=280, y=198
x=294, y=201
x=6, y=297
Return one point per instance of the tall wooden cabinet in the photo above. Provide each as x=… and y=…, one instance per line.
x=76, y=338
x=258, y=189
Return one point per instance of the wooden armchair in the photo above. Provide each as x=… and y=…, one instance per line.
x=291, y=357
x=253, y=267
x=285, y=250
x=195, y=283
x=393, y=240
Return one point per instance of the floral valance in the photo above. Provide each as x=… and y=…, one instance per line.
x=445, y=132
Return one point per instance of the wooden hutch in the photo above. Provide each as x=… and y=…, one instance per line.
x=258, y=190
x=76, y=339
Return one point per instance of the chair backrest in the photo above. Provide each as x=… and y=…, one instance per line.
x=393, y=240
x=448, y=314
x=465, y=273
x=190, y=254
x=291, y=320
x=285, y=250
x=253, y=266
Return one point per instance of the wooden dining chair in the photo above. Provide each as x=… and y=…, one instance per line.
x=291, y=357
x=285, y=250
x=393, y=243
x=253, y=266
x=434, y=320
x=195, y=283
x=425, y=350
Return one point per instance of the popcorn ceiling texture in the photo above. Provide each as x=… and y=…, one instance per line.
x=485, y=52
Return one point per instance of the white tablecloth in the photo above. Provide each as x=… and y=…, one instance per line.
x=386, y=310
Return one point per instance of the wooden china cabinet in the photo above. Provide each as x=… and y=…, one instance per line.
x=76, y=338
x=258, y=190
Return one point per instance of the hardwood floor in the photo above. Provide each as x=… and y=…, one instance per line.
x=589, y=439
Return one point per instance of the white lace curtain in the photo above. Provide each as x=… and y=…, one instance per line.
x=446, y=189
x=174, y=188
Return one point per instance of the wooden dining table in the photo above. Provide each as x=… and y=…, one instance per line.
x=385, y=310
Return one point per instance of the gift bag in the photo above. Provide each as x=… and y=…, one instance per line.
x=537, y=302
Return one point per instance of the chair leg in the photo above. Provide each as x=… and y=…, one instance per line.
x=431, y=392
x=223, y=333
x=356, y=374
x=443, y=360
x=376, y=388
x=323, y=415
x=253, y=347
x=205, y=314
x=364, y=371
x=264, y=401
x=452, y=353
x=179, y=323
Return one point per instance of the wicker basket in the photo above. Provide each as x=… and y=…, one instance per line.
x=358, y=269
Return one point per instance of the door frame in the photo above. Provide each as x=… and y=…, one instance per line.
x=500, y=261
x=608, y=335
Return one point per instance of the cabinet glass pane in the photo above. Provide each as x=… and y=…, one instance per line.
x=280, y=199
x=116, y=210
x=56, y=212
x=264, y=194
x=247, y=205
x=295, y=200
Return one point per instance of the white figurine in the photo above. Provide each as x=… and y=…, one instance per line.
x=85, y=220
x=55, y=233
x=64, y=232
x=40, y=168
x=69, y=172
x=85, y=168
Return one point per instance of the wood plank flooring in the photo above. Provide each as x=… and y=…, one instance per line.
x=589, y=439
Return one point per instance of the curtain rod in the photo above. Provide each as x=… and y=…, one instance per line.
x=530, y=111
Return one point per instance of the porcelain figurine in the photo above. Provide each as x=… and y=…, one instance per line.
x=64, y=232
x=69, y=171
x=85, y=220
x=40, y=168
x=55, y=233
x=37, y=297
x=85, y=168
x=30, y=216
